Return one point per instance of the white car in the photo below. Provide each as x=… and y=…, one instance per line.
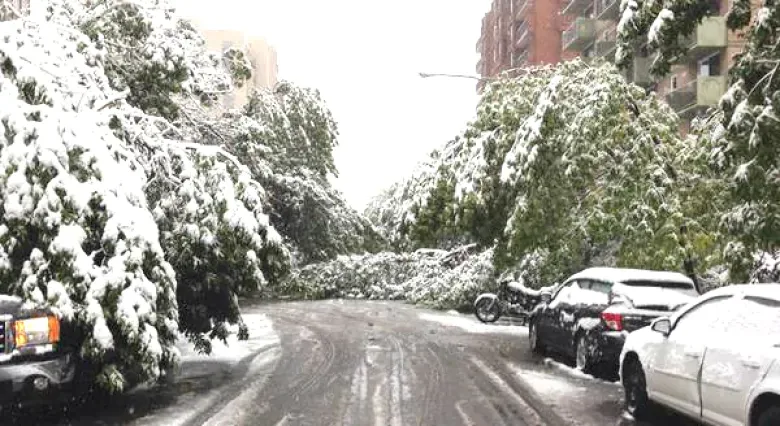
x=715, y=360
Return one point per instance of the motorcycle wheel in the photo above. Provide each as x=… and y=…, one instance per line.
x=488, y=310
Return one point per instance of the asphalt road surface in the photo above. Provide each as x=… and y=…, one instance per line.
x=366, y=363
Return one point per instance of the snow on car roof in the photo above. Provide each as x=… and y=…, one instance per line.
x=769, y=291
x=619, y=275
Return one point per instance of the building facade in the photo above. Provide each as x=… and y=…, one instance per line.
x=519, y=33
x=694, y=85
x=265, y=70
x=553, y=30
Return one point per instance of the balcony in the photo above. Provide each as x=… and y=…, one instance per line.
x=639, y=71
x=520, y=7
x=579, y=35
x=606, y=43
x=520, y=59
x=607, y=10
x=522, y=35
x=711, y=36
x=697, y=95
x=576, y=7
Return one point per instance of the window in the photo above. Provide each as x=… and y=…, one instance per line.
x=599, y=286
x=752, y=316
x=673, y=82
x=707, y=316
x=679, y=285
x=710, y=66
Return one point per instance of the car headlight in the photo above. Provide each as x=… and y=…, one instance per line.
x=36, y=331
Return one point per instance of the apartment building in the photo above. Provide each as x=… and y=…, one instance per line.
x=265, y=70
x=7, y=13
x=518, y=33
x=694, y=85
x=548, y=31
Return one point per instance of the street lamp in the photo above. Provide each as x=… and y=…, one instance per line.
x=476, y=77
x=473, y=77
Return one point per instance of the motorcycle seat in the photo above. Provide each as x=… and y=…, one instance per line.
x=516, y=286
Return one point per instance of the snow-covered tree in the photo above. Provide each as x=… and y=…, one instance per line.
x=111, y=216
x=570, y=161
x=747, y=152
x=285, y=135
x=426, y=277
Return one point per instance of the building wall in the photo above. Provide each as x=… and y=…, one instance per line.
x=518, y=33
x=265, y=71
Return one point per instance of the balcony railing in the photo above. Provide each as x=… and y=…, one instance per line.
x=711, y=35
x=522, y=35
x=581, y=33
x=520, y=59
x=576, y=7
x=697, y=95
x=606, y=42
x=607, y=10
x=520, y=7
x=639, y=71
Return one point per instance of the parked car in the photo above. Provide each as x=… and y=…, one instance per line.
x=35, y=362
x=590, y=314
x=715, y=360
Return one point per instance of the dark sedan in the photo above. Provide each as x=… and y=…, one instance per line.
x=592, y=312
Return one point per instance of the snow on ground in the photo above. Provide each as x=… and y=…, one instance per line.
x=569, y=371
x=571, y=393
x=261, y=335
x=263, y=341
x=472, y=325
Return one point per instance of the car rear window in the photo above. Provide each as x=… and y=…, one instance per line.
x=681, y=285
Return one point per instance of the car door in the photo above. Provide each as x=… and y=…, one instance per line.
x=587, y=299
x=673, y=373
x=550, y=328
x=734, y=365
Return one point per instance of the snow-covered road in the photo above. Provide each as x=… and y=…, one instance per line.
x=368, y=363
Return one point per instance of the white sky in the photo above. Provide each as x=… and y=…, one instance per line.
x=365, y=56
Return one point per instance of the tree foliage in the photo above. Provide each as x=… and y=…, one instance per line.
x=568, y=166
x=746, y=152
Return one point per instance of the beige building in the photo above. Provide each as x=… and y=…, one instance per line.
x=694, y=85
x=6, y=13
x=265, y=71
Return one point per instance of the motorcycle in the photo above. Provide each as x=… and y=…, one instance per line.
x=512, y=299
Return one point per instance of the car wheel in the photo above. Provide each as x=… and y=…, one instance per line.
x=533, y=339
x=770, y=417
x=584, y=354
x=635, y=386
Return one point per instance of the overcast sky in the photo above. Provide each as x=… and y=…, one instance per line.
x=365, y=56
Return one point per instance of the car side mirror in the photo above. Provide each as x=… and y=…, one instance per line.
x=546, y=296
x=662, y=325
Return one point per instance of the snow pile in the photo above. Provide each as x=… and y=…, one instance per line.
x=471, y=325
x=416, y=277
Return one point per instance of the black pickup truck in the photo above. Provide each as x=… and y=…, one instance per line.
x=35, y=364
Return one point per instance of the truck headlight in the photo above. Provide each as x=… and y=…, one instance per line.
x=36, y=331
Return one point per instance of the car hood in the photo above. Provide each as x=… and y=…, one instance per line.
x=10, y=305
x=654, y=298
